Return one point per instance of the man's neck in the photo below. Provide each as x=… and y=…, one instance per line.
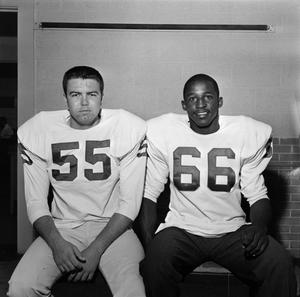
x=214, y=127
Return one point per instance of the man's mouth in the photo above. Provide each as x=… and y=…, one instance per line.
x=201, y=114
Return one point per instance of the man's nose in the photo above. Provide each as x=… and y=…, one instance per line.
x=84, y=100
x=200, y=102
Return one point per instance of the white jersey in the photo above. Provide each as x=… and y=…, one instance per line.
x=93, y=172
x=207, y=173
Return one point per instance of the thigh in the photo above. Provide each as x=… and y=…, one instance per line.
x=120, y=266
x=176, y=250
x=39, y=260
x=36, y=268
x=230, y=253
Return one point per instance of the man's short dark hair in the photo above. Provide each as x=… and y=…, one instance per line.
x=84, y=72
x=201, y=77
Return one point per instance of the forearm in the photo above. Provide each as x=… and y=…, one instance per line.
x=147, y=221
x=116, y=226
x=48, y=231
x=261, y=213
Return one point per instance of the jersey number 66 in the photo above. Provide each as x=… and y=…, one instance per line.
x=213, y=170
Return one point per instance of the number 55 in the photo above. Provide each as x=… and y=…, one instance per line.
x=90, y=157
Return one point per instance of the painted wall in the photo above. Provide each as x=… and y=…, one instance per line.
x=144, y=71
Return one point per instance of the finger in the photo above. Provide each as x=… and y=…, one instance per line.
x=66, y=268
x=243, y=239
x=77, y=277
x=252, y=245
x=252, y=248
x=90, y=277
x=85, y=276
x=61, y=268
x=71, y=277
x=246, y=238
x=73, y=260
x=76, y=264
x=69, y=266
x=259, y=246
x=263, y=243
x=78, y=255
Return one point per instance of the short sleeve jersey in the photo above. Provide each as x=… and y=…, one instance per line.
x=207, y=173
x=93, y=172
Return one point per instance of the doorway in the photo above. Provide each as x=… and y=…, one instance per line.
x=8, y=138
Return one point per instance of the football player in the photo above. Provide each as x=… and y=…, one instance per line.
x=94, y=161
x=210, y=160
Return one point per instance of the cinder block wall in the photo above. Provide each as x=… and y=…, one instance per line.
x=283, y=184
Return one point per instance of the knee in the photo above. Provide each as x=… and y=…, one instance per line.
x=161, y=255
x=282, y=260
x=154, y=263
x=158, y=268
x=18, y=289
x=22, y=289
x=126, y=273
x=284, y=264
x=279, y=261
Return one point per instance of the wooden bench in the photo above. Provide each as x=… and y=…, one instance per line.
x=211, y=279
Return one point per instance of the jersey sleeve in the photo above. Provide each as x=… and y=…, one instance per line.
x=36, y=183
x=129, y=130
x=132, y=177
x=130, y=149
x=257, y=153
x=32, y=135
x=156, y=174
x=157, y=166
x=36, y=180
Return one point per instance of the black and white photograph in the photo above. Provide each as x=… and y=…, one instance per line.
x=150, y=148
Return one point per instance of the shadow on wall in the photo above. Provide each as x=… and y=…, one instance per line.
x=278, y=192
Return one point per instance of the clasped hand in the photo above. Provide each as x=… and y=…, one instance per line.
x=88, y=268
x=79, y=265
x=67, y=256
x=254, y=240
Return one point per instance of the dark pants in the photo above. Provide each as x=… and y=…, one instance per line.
x=174, y=253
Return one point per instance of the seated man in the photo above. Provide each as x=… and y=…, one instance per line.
x=210, y=160
x=94, y=160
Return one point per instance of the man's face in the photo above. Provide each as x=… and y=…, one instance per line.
x=202, y=103
x=84, y=100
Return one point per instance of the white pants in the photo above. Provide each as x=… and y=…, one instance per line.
x=37, y=272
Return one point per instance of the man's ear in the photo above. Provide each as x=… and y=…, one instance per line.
x=183, y=104
x=65, y=96
x=220, y=102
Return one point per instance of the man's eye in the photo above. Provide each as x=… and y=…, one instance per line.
x=208, y=97
x=74, y=95
x=192, y=99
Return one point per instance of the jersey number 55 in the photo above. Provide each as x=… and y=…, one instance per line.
x=90, y=157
